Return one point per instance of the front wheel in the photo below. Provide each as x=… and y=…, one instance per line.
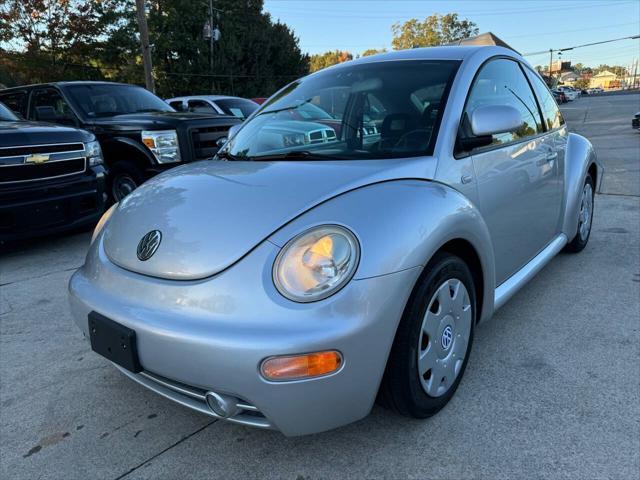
x=125, y=177
x=433, y=341
x=585, y=218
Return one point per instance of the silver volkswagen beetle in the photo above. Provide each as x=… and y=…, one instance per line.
x=344, y=244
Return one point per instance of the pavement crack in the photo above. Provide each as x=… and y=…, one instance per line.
x=186, y=437
x=40, y=276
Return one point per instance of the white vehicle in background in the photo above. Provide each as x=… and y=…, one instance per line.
x=569, y=92
x=220, y=104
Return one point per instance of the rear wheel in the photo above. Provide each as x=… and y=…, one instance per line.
x=125, y=177
x=585, y=218
x=433, y=341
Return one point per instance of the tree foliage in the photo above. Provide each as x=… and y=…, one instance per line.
x=433, y=30
x=47, y=40
x=373, y=51
x=324, y=60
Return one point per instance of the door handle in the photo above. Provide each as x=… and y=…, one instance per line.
x=551, y=156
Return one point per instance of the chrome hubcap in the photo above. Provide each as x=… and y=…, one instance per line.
x=586, y=212
x=122, y=186
x=442, y=346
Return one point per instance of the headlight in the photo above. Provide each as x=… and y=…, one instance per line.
x=163, y=144
x=94, y=153
x=293, y=139
x=103, y=221
x=316, y=264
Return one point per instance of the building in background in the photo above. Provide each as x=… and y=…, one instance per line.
x=569, y=78
x=605, y=79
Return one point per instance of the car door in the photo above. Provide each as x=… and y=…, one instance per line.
x=517, y=175
x=48, y=105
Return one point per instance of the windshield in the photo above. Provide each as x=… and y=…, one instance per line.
x=7, y=115
x=238, y=107
x=105, y=100
x=373, y=110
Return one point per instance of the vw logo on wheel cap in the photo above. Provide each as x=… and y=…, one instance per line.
x=447, y=337
x=148, y=245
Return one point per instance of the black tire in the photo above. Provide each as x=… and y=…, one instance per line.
x=124, y=177
x=578, y=243
x=401, y=389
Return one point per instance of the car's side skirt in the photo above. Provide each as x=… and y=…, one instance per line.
x=510, y=286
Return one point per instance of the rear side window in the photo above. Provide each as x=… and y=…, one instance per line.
x=238, y=107
x=16, y=101
x=550, y=111
x=502, y=82
x=200, y=106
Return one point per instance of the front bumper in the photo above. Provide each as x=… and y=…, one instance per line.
x=32, y=209
x=212, y=335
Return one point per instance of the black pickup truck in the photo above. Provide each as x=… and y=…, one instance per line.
x=140, y=134
x=51, y=178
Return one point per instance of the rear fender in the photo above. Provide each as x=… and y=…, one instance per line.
x=579, y=158
x=401, y=224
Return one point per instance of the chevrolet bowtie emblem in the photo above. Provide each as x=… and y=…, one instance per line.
x=36, y=159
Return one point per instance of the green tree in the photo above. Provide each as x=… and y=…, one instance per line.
x=324, y=60
x=372, y=51
x=433, y=30
x=581, y=83
x=253, y=57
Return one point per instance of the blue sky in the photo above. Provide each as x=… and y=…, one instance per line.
x=527, y=25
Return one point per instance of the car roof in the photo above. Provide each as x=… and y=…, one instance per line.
x=204, y=97
x=65, y=83
x=447, y=52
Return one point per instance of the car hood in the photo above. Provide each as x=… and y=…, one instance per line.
x=212, y=213
x=36, y=133
x=160, y=120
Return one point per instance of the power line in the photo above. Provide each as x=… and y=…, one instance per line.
x=633, y=37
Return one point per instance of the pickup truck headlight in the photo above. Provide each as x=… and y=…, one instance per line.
x=163, y=144
x=316, y=264
x=94, y=153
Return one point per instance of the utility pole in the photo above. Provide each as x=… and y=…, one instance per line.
x=550, y=64
x=144, y=44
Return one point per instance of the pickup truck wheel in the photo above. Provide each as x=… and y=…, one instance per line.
x=585, y=218
x=125, y=177
x=433, y=341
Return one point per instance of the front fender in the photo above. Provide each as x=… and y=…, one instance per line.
x=579, y=157
x=401, y=224
x=116, y=145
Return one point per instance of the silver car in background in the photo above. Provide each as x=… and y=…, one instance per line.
x=290, y=283
x=220, y=104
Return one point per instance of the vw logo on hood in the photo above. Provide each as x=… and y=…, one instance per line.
x=148, y=245
x=447, y=337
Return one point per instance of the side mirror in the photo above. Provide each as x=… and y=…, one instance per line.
x=492, y=119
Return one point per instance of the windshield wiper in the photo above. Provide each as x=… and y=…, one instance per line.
x=293, y=155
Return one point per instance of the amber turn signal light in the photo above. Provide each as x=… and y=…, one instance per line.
x=295, y=367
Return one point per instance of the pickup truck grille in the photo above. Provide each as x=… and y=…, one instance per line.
x=204, y=140
x=17, y=163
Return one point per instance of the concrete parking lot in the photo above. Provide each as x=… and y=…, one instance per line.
x=552, y=389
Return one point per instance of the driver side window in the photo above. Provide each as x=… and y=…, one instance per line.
x=49, y=106
x=502, y=82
